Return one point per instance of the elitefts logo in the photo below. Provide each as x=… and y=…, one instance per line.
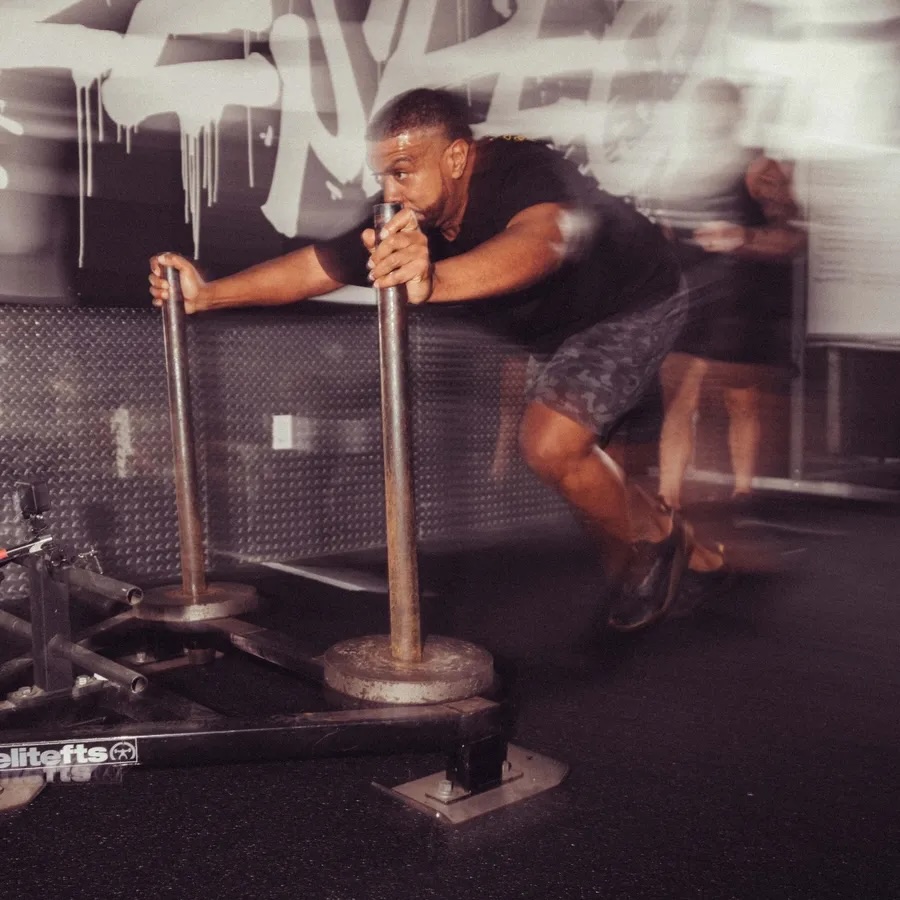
x=55, y=755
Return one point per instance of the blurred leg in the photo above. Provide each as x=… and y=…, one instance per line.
x=743, y=434
x=564, y=455
x=682, y=380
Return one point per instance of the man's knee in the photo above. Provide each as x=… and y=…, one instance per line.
x=552, y=445
x=742, y=402
x=544, y=454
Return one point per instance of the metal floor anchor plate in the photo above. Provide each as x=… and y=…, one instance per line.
x=526, y=775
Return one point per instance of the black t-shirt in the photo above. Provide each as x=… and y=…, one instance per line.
x=621, y=263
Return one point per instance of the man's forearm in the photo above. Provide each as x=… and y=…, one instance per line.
x=286, y=279
x=771, y=243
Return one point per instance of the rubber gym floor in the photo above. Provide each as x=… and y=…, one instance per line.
x=751, y=750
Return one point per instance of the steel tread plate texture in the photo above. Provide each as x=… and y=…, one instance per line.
x=85, y=407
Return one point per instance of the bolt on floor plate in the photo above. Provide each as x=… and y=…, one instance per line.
x=525, y=775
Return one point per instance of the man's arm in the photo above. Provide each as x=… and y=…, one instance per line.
x=770, y=185
x=286, y=279
x=779, y=239
x=530, y=247
x=526, y=251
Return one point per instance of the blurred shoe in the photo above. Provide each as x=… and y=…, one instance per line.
x=652, y=580
x=699, y=588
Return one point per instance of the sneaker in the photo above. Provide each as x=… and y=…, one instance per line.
x=699, y=588
x=652, y=581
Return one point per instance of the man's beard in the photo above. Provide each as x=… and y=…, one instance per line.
x=429, y=218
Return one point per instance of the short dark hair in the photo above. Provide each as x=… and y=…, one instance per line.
x=422, y=108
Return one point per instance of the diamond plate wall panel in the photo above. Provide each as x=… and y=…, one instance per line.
x=85, y=406
x=454, y=371
x=319, y=366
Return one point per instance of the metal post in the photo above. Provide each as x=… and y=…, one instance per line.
x=49, y=595
x=797, y=436
x=398, y=668
x=196, y=600
x=834, y=438
x=101, y=589
x=403, y=573
x=193, y=575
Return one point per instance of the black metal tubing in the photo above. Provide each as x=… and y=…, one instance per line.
x=49, y=606
x=58, y=647
x=90, y=702
x=16, y=669
x=400, y=513
x=85, y=585
x=433, y=728
x=94, y=702
x=193, y=574
x=265, y=644
x=94, y=663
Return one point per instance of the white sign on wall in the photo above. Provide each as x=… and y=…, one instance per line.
x=854, y=271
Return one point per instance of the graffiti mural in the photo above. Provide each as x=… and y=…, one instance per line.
x=129, y=123
x=227, y=128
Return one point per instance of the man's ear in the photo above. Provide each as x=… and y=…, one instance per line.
x=458, y=155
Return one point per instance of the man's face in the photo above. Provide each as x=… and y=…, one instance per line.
x=420, y=169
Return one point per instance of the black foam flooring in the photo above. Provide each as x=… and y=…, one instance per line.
x=751, y=750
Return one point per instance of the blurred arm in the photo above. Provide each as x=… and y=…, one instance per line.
x=770, y=185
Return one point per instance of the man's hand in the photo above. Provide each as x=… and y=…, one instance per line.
x=720, y=237
x=191, y=283
x=399, y=255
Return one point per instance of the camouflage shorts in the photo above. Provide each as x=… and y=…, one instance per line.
x=600, y=375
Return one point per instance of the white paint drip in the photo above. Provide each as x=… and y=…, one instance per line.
x=79, y=126
x=100, y=116
x=217, y=144
x=191, y=180
x=250, y=174
x=84, y=127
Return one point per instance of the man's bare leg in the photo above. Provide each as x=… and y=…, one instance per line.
x=743, y=435
x=682, y=381
x=565, y=455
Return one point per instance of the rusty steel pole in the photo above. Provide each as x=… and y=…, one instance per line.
x=400, y=512
x=193, y=574
x=402, y=668
x=196, y=600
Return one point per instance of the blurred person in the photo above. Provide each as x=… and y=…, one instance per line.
x=730, y=214
x=580, y=278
